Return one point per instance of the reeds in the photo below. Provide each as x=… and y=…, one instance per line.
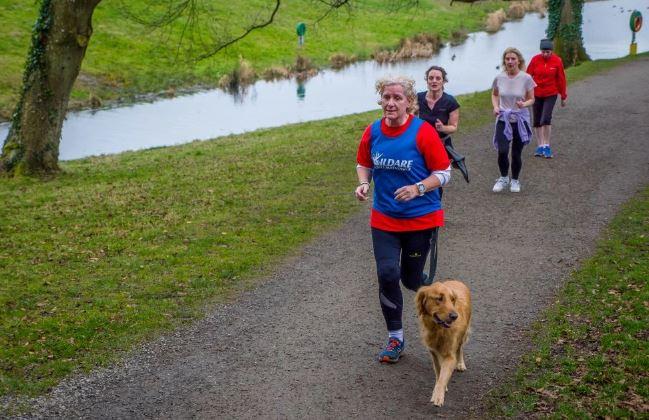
x=242, y=75
x=340, y=60
x=419, y=46
x=516, y=10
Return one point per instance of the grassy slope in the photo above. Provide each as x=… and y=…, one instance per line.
x=124, y=58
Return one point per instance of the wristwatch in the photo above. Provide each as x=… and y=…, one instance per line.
x=421, y=188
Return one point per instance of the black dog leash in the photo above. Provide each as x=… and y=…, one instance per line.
x=457, y=159
x=432, y=268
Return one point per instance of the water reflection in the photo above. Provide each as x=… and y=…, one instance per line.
x=471, y=67
x=301, y=90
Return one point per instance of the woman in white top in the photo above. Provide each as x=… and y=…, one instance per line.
x=512, y=93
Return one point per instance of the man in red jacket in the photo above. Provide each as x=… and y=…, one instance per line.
x=547, y=71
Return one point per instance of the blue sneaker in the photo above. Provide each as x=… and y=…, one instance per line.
x=547, y=152
x=392, y=351
x=539, y=151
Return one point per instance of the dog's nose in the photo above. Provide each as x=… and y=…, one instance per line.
x=453, y=316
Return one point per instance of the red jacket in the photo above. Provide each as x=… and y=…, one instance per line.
x=549, y=76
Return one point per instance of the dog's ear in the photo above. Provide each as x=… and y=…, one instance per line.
x=420, y=302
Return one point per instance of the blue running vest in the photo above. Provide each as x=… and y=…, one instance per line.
x=397, y=162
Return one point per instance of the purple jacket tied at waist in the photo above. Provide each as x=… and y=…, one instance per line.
x=522, y=123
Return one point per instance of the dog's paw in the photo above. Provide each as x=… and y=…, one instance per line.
x=437, y=399
x=461, y=367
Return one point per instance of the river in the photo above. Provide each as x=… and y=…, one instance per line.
x=204, y=115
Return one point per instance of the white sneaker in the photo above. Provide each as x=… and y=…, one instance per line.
x=501, y=183
x=515, y=186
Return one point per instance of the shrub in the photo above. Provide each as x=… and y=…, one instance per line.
x=276, y=72
x=340, y=60
x=419, y=46
x=495, y=20
x=516, y=11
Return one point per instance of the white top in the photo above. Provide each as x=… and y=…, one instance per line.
x=511, y=89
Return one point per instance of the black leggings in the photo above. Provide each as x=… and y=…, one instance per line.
x=503, y=150
x=400, y=256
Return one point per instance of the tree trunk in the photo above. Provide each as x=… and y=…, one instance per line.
x=59, y=42
x=568, y=42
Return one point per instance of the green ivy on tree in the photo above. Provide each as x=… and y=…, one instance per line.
x=35, y=60
x=565, y=20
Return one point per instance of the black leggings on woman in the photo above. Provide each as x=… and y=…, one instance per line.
x=503, y=150
x=400, y=258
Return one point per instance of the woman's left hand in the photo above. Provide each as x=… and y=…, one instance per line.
x=406, y=193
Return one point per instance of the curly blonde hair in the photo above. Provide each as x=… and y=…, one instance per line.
x=408, y=86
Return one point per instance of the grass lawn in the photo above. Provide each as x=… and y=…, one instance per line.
x=119, y=248
x=592, y=347
x=125, y=58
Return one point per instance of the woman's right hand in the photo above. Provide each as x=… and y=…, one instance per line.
x=496, y=111
x=361, y=192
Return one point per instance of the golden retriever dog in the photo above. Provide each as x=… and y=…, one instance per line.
x=444, y=312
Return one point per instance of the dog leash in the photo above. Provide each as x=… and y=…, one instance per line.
x=457, y=159
x=432, y=268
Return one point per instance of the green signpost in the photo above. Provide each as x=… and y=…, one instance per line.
x=301, y=31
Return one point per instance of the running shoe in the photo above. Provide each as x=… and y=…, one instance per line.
x=392, y=351
x=500, y=184
x=539, y=151
x=515, y=186
x=547, y=152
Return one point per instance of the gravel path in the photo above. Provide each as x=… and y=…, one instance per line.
x=302, y=344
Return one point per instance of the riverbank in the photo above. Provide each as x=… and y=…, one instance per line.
x=126, y=61
x=119, y=248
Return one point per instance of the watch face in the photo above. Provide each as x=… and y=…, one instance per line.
x=421, y=187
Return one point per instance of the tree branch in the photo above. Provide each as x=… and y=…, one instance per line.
x=240, y=37
x=333, y=4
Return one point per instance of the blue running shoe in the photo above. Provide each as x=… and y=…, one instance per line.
x=392, y=351
x=539, y=151
x=547, y=152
